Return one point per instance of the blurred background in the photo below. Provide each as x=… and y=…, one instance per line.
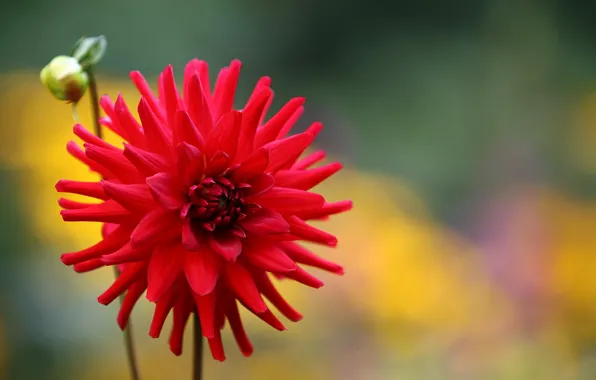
x=468, y=129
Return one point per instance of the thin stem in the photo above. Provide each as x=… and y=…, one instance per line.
x=197, y=361
x=128, y=340
x=94, y=103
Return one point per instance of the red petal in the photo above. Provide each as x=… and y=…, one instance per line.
x=75, y=150
x=261, y=183
x=88, y=266
x=229, y=90
x=218, y=164
x=185, y=131
x=162, y=309
x=69, y=204
x=129, y=125
x=309, y=160
x=288, y=201
x=269, y=257
x=255, y=164
x=132, y=296
x=202, y=270
x=237, y=328
x=89, y=137
x=165, y=265
x=157, y=135
x=156, y=227
x=305, y=231
x=190, y=164
x=286, y=151
x=115, y=162
x=216, y=347
x=226, y=244
x=134, y=272
x=146, y=162
x=240, y=282
x=273, y=127
x=146, y=93
x=182, y=310
x=306, y=179
x=225, y=135
x=133, y=197
x=110, y=243
x=265, y=222
x=90, y=189
x=329, y=208
x=304, y=256
x=290, y=123
x=206, y=307
x=127, y=254
x=172, y=96
x=106, y=212
x=220, y=84
x=251, y=116
x=268, y=290
x=198, y=105
x=305, y=278
x=166, y=191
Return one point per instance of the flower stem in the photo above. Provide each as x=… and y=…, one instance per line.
x=128, y=340
x=197, y=361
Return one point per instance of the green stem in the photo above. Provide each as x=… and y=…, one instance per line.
x=197, y=361
x=128, y=340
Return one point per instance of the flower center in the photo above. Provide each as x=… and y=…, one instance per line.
x=215, y=202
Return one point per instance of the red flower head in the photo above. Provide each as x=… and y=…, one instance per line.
x=203, y=202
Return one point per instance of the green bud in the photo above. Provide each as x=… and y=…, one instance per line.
x=89, y=50
x=65, y=78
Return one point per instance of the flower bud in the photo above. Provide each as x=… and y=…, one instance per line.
x=65, y=78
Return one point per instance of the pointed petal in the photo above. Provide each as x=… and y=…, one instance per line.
x=237, y=328
x=303, y=256
x=288, y=201
x=134, y=272
x=147, y=94
x=89, y=189
x=273, y=127
x=226, y=244
x=240, y=282
x=157, y=135
x=185, y=131
x=146, y=163
x=309, y=160
x=268, y=290
x=165, y=265
x=108, y=244
x=306, y=179
x=255, y=164
x=269, y=257
x=166, y=191
x=172, y=99
x=225, y=135
x=206, y=308
x=285, y=152
x=202, y=271
x=106, y=212
x=133, y=294
x=182, y=310
x=264, y=222
x=251, y=116
x=133, y=197
x=305, y=231
x=156, y=227
x=261, y=183
x=190, y=164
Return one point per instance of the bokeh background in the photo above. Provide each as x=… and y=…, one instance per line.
x=468, y=129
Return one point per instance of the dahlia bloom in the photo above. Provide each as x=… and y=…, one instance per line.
x=203, y=204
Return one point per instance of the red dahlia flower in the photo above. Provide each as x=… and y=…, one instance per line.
x=203, y=202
